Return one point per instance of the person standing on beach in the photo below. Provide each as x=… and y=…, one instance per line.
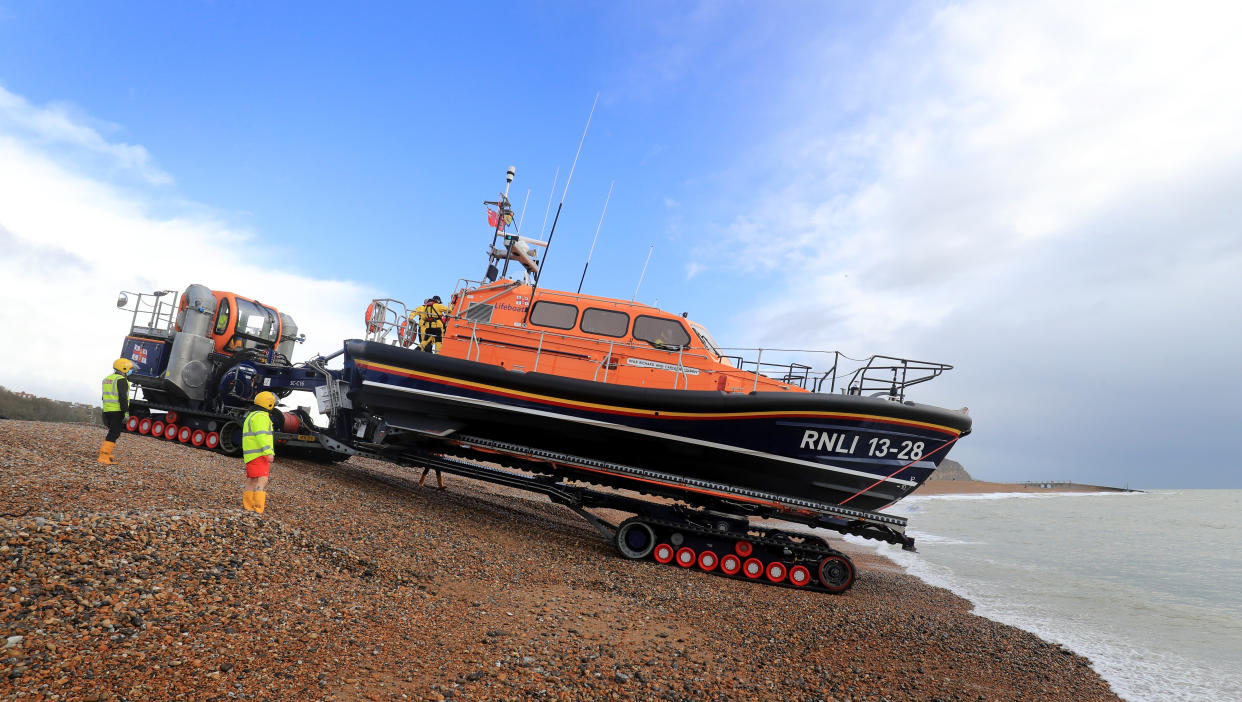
x=115, y=406
x=258, y=451
x=439, y=478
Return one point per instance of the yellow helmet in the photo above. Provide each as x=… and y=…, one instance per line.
x=265, y=399
x=123, y=366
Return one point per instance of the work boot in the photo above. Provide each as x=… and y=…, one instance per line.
x=260, y=500
x=105, y=453
x=248, y=500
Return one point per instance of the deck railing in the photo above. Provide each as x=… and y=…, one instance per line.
x=387, y=316
x=153, y=312
x=878, y=375
x=828, y=371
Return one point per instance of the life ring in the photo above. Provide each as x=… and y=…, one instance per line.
x=405, y=333
x=375, y=317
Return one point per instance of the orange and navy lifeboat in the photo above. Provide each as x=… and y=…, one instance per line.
x=593, y=388
x=615, y=382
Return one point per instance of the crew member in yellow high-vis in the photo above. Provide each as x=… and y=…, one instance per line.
x=115, y=406
x=432, y=317
x=258, y=451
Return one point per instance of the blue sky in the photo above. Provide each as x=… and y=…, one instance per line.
x=1044, y=195
x=392, y=124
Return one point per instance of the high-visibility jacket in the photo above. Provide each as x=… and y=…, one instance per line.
x=115, y=393
x=257, y=436
x=431, y=316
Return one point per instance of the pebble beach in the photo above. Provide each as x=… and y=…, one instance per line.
x=147, y=581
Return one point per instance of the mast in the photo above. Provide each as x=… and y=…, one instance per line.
x=504, y=212
x=552, y=233
x=551, y=193
x=596, y=238
x=522, y=217
x=643, y=274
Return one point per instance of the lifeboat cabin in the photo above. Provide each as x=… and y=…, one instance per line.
x=591, y=338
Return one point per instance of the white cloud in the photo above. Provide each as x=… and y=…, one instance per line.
x=58, y=125
x=70, y=242
x=1046, y=194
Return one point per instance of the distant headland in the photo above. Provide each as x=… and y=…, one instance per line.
x=951, y=478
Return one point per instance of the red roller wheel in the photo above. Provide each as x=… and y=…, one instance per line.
x=744, y=548
x=708, y=560
x=752, y=568
x=776, y=571
x=663, y=553
x=144, y=425
x=799, y=575
x=131, y=424
x=212, y=441
x=157, y=428
x=685, y=557
x=184, y=434
x=198, y=437
x=730, y=564
x=170, y=431
x=171, y=417
x=836, y=573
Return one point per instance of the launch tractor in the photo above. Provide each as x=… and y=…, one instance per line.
x=199, y=359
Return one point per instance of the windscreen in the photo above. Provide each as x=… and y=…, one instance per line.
x=257, y=321
x=706, y=338
x=710, y=343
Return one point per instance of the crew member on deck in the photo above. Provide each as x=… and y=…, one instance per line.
x=115, y=406
x=432, y=317
x=258, y=451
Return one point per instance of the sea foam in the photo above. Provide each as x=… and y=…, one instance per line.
x=1150, y=599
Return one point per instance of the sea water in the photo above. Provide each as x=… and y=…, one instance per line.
x=1148, y=586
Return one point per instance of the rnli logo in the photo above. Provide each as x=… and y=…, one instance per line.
x=139, y=355
x=828, y=441
x=848, y=444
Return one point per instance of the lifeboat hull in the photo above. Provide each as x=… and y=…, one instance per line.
x=838, y=449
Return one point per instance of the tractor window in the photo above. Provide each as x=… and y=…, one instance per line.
x=222, y=317
x=605, y=322
x=660, y=331
x=257, y=322
x=554, y=314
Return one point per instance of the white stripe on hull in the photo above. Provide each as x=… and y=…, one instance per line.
x=648, y=432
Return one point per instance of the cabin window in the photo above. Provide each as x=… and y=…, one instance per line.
x=659, y=331
x=605, y=322
x=222, y=317
x=554, y=314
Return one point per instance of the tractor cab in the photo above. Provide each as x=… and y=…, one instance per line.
x=242, y=323
x=182, y=344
